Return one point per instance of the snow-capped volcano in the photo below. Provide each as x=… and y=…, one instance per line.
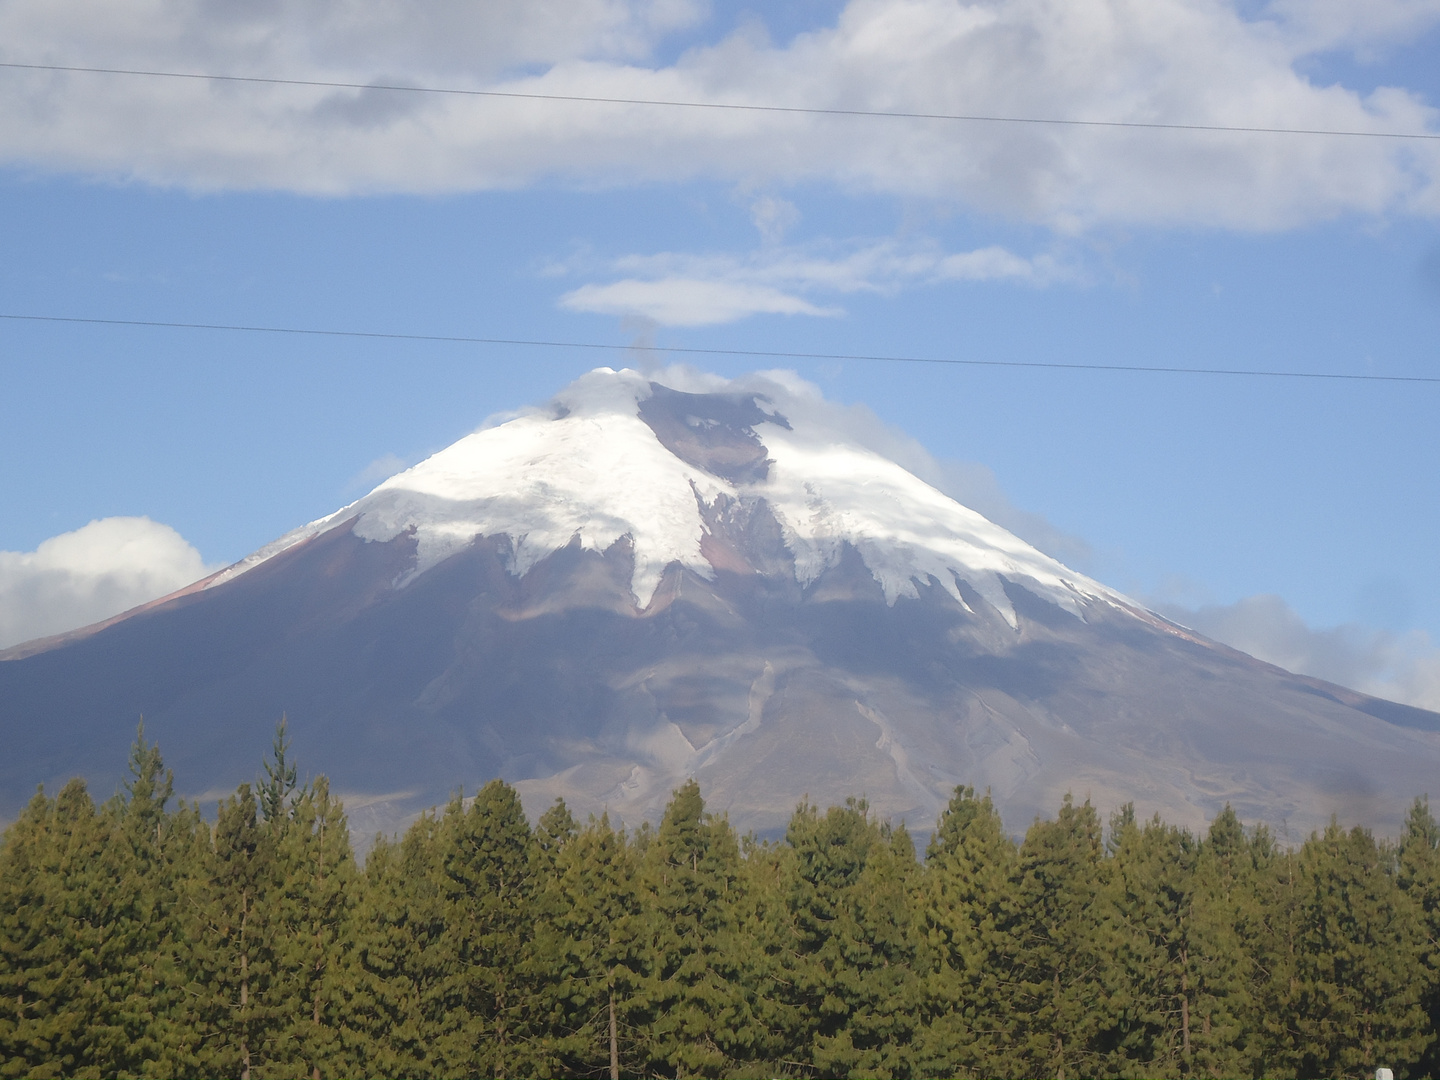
x=648, y=580
x=617, y=456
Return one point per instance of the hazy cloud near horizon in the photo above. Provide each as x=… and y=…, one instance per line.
x=1401, y=667
x=1167, y=61
x=90, y=574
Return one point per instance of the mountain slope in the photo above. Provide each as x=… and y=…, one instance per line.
x=640, y=584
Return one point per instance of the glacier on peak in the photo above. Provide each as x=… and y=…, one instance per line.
x=619, y=456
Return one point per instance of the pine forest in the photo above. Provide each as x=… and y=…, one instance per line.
x=142, y=937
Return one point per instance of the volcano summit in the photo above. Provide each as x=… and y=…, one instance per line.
x=640, y=583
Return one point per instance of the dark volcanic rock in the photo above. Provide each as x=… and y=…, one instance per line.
x=643, y=584
x=766, y=691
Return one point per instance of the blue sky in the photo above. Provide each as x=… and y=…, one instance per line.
x=1295, y=518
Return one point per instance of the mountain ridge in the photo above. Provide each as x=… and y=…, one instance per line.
x=787, y=614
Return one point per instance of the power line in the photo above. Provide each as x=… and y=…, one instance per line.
x=772, y=354
x=722, y=105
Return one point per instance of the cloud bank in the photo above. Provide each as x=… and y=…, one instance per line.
x=1400, y=667
x=97, y=571
x=1158, y=61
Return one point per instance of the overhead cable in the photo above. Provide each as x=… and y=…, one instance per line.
x=721, y=105
x=772, y=354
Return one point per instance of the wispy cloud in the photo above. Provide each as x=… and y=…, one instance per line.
x=382, y=468
x=684, y=301
x=1401, y=667
x=1208, y=62
x=97, y=571
x=677, y=289
x=773, y=217
x=976, y=486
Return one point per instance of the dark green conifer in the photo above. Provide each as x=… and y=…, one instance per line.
x=234, y=1017
x=879, y=975
x=274, y=793
x=589, y=951
x=485, y=891
x=148, y=984
x=312, y=906
x=1359, y=975
x=698, y=1019
x=1059, y=1004
x=854, y=978
x=965, y=905
x=553, y=831
x=49, y=944
x=401, y=981
x=1419, y=876
x=1175, y=979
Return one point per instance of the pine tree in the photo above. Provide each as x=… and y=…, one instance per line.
x=1419, y=876
x=588, y=950
x=1225, y=923
x=28, y=966
x=233, y=1016
x=398, y=983
x=854, y=976
x=486, y=888
x=275, y=792
x=1059, y=1004
x=1175, y=979
x=147, y=983
x=313, y=935
x=828, y=857
x=698, y=1017
x=48, y=944
x=761, y=960
x=81, y=950
x=1359, y=974
x=553, y=831
x=878, y=978
x=964, y=907
x=1275, y=949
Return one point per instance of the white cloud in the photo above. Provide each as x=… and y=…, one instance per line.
x=456, y=37
x=97, y=571
x=382, y=468
x=773, y=217
x=1400, y=667
x=680, y=301
x=676, y=289
x=1169, y=61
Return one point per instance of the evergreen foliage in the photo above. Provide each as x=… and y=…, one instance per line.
x=233, y=995
x=589, y=955
x=695, y=1016
x=966, y=907
x=138, y=938
x=1419, y=876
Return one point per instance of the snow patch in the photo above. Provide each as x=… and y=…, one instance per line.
x=591, y=469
